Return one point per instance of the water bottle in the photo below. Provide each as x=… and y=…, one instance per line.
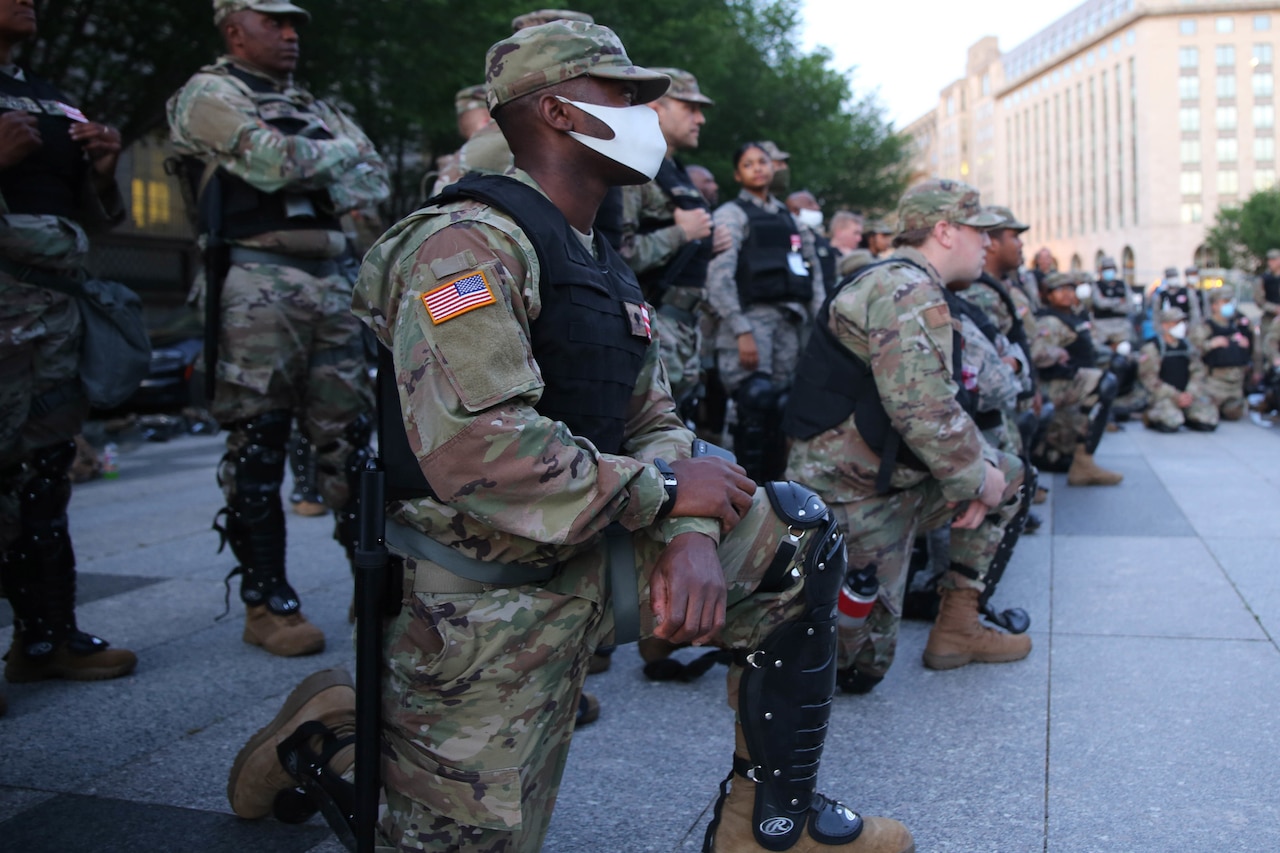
x=110, y=467
x=857, y=595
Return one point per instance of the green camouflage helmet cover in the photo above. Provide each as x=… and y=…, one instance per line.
x=928, y=203
x=1007, y=219
x=470, y=98
x=222, y=9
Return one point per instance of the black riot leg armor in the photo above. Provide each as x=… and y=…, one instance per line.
x=784, y=699
x=1107, y=388
x=255, y=513
x=757, y=434
x=347, y=518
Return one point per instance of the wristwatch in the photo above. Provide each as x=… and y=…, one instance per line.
x=669, y=483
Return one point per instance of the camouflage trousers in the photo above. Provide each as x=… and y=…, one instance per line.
x=41, y=400
x=1111, y=330
x=880, y=529
x=680, y=348
x=1071, y=398
x=777, y=333
x=290, y=342
x=1167, y=413
x=481, y=689
x=1267, y=354
x=1224, y=386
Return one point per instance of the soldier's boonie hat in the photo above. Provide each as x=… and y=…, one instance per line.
x=1108, y=263
x=1059, y=279
x=542, y=56
x=854, y=261
x=1172, y=315
x=1272, y=254
x=926, y=204
x=1008, y=220
x=684, y=86
x=775, y=153
x=1170, y=272
x=876, y=226
x=470, y=98
x=546, y=16
x=222, y=9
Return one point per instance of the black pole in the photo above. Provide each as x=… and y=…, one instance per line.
x=371, y=560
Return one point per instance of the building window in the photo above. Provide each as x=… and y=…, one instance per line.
x=1226, y=85
x=1263, y=84
x=1264, y=117
x=986, y=85
x=1264, y=179
x=1225, y=118
x=1228, y=182
x=1191, y=151
x=1189, y=88
x=1192, y=212
x=1191, y=183
x=1261, y=55
x=1261, y=23
x=1228, y=150
x=1187, y=27
x=1264, y=148
x=1225, y=25
x=1189, y=119
x=1188, y=57
x=1225, y=55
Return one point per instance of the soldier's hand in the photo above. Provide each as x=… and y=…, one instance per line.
x=19, y=136
x=993, y=486
x=1217, y=341
x=101, y=143
x=711, y=487
x=748, y=355
x=687, y=591
x=1184, y=399
x=721, y=240
x=971, y=516
x=695, y=223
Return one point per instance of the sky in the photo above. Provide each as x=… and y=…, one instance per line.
x=907, y=50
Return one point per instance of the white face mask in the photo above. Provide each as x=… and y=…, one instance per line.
x=1083, y=292
x=811, y=218
x=1179, y=331
x=1124, y=348
x=637, y=141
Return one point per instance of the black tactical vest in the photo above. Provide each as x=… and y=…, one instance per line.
x=1271, y=286
x=1233, y=354
x=832, y=383
x=1081, y=351
x=245, y=211
x=1114, y=289
x=1176, y=298
x=688, y=267
x=1175, y=364
x=763, y=272
x=47, y=182
x=582, y=339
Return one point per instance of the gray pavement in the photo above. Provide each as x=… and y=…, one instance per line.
x=1147, y=717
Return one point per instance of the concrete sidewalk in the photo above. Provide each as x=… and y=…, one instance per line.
x=1147, y=717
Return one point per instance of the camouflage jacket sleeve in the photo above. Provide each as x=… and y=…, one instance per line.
x=722, y=285
x=506, y=475
x=980, y=293
x=212, y=118
x=1052, y=338
x=1199, y=336
x=908, y=339
x=653, y=249
x=809, y=248
x=368, y=182
x=994, y=381
x=1149, y=359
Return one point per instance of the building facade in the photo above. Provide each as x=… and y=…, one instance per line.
x=1120, y=129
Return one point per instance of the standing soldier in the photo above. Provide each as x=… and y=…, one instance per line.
x=1225, y=343
x=1174, y=293
x=57, y=175
x=1173, y=373
x=667, y=238
x=884, y=426
x=808, y=215
x=473, y=117
x=1111, y=306
x=877, y=238
x=1266, y=295
x=277, y=168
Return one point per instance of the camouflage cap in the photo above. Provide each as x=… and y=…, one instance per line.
x=926, y=204
x=684, y=87
x=470, y=98
x=1107, y=263
x=1008, y=220
x=775, y=153
x=1170, y=272
x=1192, y=270
x=546, y=16
x=1222, y=294
x=1273, y=254
x=1055, y=280
x=537, y=57
x=876, y=226
x=1171, y=315
x=222, y=9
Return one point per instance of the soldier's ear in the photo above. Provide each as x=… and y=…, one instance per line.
x=559, y=114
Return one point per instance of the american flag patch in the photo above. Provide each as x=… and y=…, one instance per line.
x=72, y=113
x=458, y=296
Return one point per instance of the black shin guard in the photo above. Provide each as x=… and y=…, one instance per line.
x=756, y=435
x=784, y=698
x=347, y=521
x=1014, y=620
x=1107, y=387
x=319, y=787
x=255, y=513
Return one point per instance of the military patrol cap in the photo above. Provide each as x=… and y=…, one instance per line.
x=1008, y=220
x=546, y=16
x=470, y=98
x=854, y=261
x=1192, y=270
x=1055, y=280
x=876, y=226
x=537, y=57
x=928, y=203
x=1222, y=294
x=684, y=87
x=1171, y=315
x=775, y=153
x=222, y=9
x=1108, y=263
x=1272, y=254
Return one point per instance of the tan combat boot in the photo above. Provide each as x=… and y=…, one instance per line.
x=959, y=637
x=288, y=635
x=1085, y=472
x=81, y=658
x=328, y=697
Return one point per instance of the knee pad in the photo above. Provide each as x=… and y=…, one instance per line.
x=259, y=464
x=1108, y=386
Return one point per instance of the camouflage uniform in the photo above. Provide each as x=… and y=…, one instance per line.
x=1071, y=397
x=288, y=345
x=450, y=166
x=1164, y=410
x=1267, y=345
x=1224, y=386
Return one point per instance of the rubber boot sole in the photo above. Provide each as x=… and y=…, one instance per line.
x=310, y=687
x=954, y=661
x=25, y=673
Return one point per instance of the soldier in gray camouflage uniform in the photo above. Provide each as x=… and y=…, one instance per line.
x=286, y=166
x=526, y=476
x=57, y=177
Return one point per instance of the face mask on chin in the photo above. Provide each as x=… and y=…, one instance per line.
x=637, y=141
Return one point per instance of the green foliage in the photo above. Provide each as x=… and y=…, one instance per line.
x=397, y=64
x=1242, y=235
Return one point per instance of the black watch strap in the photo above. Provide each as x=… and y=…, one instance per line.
x=669, y=483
